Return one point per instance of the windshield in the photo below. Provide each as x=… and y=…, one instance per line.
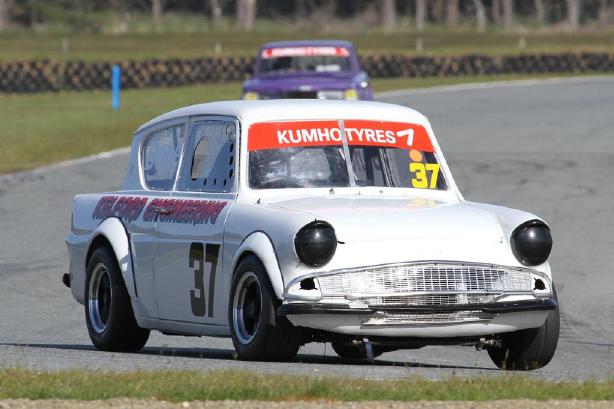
x=314, y=154
x=304, y=59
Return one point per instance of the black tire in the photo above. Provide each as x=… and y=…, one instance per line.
x=109, y=317
x=528, y=349
x=257, y=332
x=349, y=351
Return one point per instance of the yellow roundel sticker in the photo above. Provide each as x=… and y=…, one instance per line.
x=415, y=155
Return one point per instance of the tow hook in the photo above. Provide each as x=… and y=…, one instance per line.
x=484, y=343
x=368, y=349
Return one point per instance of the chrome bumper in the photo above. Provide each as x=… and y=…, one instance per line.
x=544, y=304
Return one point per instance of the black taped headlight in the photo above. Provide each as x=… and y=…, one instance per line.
x=315, y=243
x=531, y=243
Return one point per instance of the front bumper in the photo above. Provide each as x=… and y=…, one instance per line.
x=545, y=304
x=420, y=322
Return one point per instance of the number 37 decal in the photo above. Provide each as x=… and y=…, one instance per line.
x=199, y=255
x=422, y=180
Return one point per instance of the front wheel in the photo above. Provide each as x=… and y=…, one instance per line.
x=528, y=349
x=257, y=332
x=108, y=310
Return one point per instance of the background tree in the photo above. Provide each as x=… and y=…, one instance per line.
x=496, y=11
x=300, y=9
x=156, y=13
x=573, y=13
x=437, y=9
x=480, y=15
x=508, y=14
x=540, y=11
x=452, y=13
x=216, y=13
x=604, y=12
x=246, y=14
x=88, y=15
x=4, y=14
x=117, y=9
x=420, y=15
x=388, y=14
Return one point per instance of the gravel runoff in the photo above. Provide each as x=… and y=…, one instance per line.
x=155, y=404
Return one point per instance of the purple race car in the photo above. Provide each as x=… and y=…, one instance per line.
x=324, y=69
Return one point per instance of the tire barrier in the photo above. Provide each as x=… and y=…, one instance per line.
x=390, y=66
x=46, y=75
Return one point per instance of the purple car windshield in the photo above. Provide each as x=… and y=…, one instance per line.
x=304, y=59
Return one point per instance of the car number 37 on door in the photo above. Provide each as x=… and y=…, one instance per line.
x=200, y=255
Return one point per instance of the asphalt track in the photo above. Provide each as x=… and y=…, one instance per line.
x=547, y=147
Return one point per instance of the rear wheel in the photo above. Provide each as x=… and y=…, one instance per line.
x=528, y=349
x=257, y=332
x=108, y=311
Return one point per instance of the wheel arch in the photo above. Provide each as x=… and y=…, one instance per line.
x=112, y=233
x=259, y=245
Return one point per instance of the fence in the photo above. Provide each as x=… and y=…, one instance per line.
x=45, y=75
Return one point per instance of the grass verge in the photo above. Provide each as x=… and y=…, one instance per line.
x=40, y=129
x=243, y=385
x=109, y=47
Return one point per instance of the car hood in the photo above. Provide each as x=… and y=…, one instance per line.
x=304, y=82
x=376, y=219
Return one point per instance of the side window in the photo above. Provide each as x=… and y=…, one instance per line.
x=211, y=163
x=160, y=155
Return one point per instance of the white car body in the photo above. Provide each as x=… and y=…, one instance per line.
x=387, y=239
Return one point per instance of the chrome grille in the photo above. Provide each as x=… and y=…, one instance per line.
x=442, y=282
x=426, y=319
x=427, y=300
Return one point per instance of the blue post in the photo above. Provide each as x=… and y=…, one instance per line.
x=115, y=85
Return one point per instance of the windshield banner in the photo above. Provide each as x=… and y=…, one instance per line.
x=305, y=52
x=276, y=135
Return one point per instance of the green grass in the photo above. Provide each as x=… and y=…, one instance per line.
x=243, y=385
x=107, y=47
x=40, y=129
x=44, y=128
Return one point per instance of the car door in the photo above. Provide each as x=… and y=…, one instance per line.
x=190, y=228
x=157, y=161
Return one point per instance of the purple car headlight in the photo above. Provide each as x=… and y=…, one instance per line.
x=250, y=96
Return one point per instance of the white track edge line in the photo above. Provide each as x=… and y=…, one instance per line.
x=491, y=84
x=67, y=163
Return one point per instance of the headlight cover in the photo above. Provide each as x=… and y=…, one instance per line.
x=351, y=94
x=531, y=243
x=251, y=96
x=315, y=243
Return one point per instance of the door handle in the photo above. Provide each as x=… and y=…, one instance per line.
x=163, y=211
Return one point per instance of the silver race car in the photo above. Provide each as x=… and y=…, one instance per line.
x=284, y=222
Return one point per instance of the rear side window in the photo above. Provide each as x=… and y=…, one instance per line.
x=211, y=163
x=161, y=152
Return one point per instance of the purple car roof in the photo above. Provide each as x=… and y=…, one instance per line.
x=308, y=43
